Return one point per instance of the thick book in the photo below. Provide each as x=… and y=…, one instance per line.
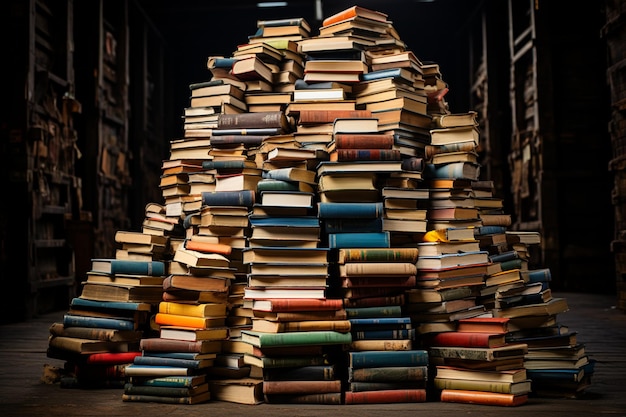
x=516, y=388
x=169, y=381
x=165, y=391
x=123, y=266
x=96, y=333
x=302, y=373
x=195, y=310
x=467, y=339
x=377, y=255
x=229, y=198
x=301, y=386
x=122, y=293
x=379, y=359
x=482, y=397
x=330, y=398
x=381, y=345
x=269, y=362
x=157, y=344
x=173, y=362
x=407, y=395
x=295, y=338
x=71, y=320
x=515, y=375
x=88, y=346
x=383, y=334
x=359, y=240
x=362, y=141
x=374, y=311
x=253, y=120
x=166, y=319
x=195, y=399
x=380, y=269
x=321, y=116
x=465, y=170
x=328, y=210
x=388, y=374
x=365, y=155
x=479, y=354
x=237, y=390
x=450, y=260
x=297, y=304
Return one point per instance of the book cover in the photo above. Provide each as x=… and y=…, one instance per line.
x=328, y=210
x=297, y=304
x=295, y=338
x=228, y=198
x=71, y=320
x=362, y=240
x=156, y=344
x=379, y=359
x=123, y=266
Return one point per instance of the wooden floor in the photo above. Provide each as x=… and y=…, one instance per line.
x=23, y=355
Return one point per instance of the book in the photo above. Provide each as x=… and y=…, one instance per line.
x=186, y=381
x=276, y=119
x=331, y=398
x=358, y=166
x=406, y=395
x=330, y=210
x=363, y=240
x=373, y=311
x=381, y=345
x=377, y=268
x=87, y=346
x=295, y=338
x=484, y=324
x=466, y=170
x=123, y=293
x=271, y=362
x=551, y=307
x=158, y=344
x=515, y=388
x=165, y=391
x=509, y=350
x=379, y=359
x=297, y=304
x=195, y=283
x=267, y=326
x=73, y=320
x=173, y=362
x=95, y=333
x=482, y=397
x=516, y=375
x=121, y=266
x=193, y=334
x=287, y=198
x=456, y=119
x=194, y=399
x=323, y=116
x=239, y=390
x=229, y=198
x=388, y=374
x=165, y=319
x=302, y=373
x=450, y=260
x=301, y=386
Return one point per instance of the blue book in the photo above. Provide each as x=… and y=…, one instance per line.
x=378, y=359
x=384, y=73
x=353, y=225
x=70, y=320
x=538, y=275
x=300, y=221
x=255, y=131
x=555, y=375
x=489, y=230
x=130, y=267
x=330, y=210
x=359, y=240
x=110, y=305
x=381, y=321
x=174, y=362
x=223, y=62
x=504, y=256
x=244, y=198
x=170, y=381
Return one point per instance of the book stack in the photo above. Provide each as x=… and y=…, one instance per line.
x=221, y=69
x=504, y=274
x=490, y=208
x=98, y=340
x=405, y=214
x=436, y=88
x=387, y=376
x=314, y=128
x=475, y=364
x=298, y=343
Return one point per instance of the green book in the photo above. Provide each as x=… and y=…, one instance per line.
x=261, y=340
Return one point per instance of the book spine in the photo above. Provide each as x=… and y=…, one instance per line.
x=98, y=322
x=208, y=247
x=353, y=225
x=165, y=319
x=328, y=116
x=195, y=310
x=372, y=301
x=236, y=140
x=292, y=361
x=131, y=389
x=329, y=210
x=489, y=230
x=301, y=387
x=228, y=198
x=379, y=359
x=162, y=399
x=415, y=164
x=303, y=373
x=451, y=170
x=368, y=155
x=360, y=240
x=113, y=305
x=539, y=275
x=376, y=311
x=460, y=353
x=388, y=374
x=93, y=333
x=251, y=120
x=170, y=345
x=223, y=164
x=386, y=396
x=341, y=16
x=271, y=184
x=295, y=304
x=303, y=338
x=88, y=372
x=431, y=150
x=166, y=381
x=280, y=22
x=377, y=269
x=122, y=266
x=111, y=358
x=363, y=141
x=474, y=385
x=160, y=361
x=342, y=326
x=380, y=74
x=381, y=345
x=333, y=398
x=461, y=339
x=504, y=256
x=378, y=386
x=378, y=255
x=383, y=334
x=482, y=397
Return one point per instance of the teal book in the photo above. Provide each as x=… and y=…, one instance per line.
x=504, y=256
x=330, y=210
x=261, y=340
x=70, y=320
x=170, y=381
x=376, y=311
x=349, y=225
x=224, y=164
x=244, y=198
x=489, y=230
x=555, y=375
x=380, y=74
x=271, y=184
x=467, y=170
x=129, y=267
x=359, y=240
x=383, y=358
x=538, y=275
x=109, y=305
x=174, y=362
x=298, y=221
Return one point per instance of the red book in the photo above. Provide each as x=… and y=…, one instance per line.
x=353, y=12
x=363, y=141
x=466, y=339
x=416, y=395
x=294, y=304
x=484, y=325
x=482, y=397
x=111, y=358
x=308, y=117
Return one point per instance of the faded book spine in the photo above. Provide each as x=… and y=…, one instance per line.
x=70, y=320
x=326, y=398
x=378, y=255
x=329, y=210
x=374, y=311
x=225, y=141
x=381, y=345
x=379, y=359
x=482, y=397
x=229, y=198
x=94, y=333
x=363, y=141
x=329, y=116
x=301, y=387
x=252, y=120
x=388, y=374
x=303, y=373
x=386, y=396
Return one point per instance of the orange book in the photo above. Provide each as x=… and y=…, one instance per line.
x=208, y=247
x=353, y=12
x=164, y=319
x=482, y=397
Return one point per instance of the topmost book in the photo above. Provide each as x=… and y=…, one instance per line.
x=455, y=119
x=353, y=12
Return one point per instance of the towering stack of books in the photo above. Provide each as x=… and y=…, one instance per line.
x=100, y=333
x=475, y=364
x=504, y=274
